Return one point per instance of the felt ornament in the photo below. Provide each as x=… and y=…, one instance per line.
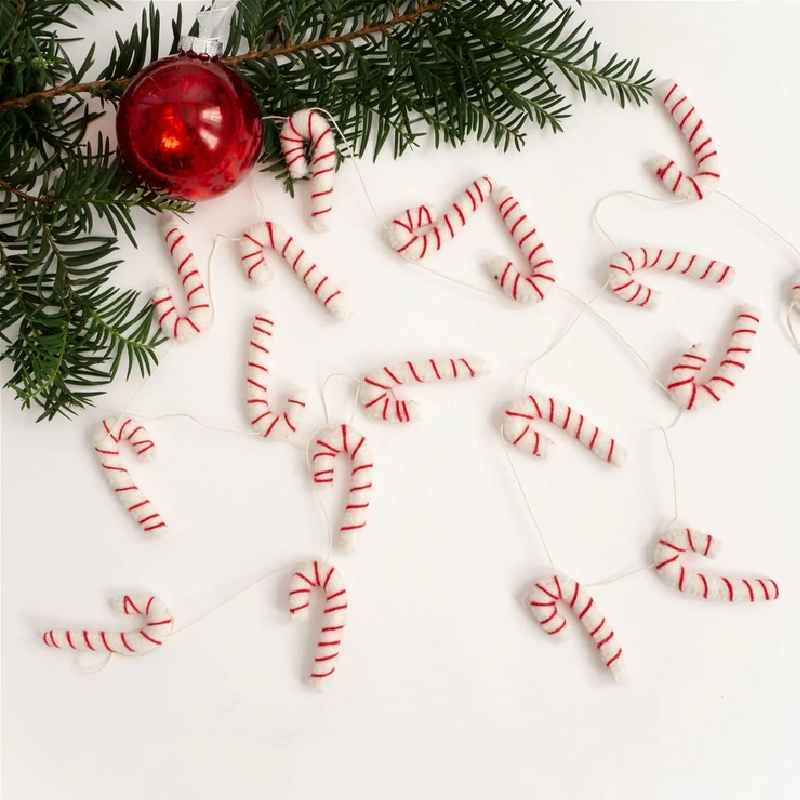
x=518, y=428
x=415, y=233
x=198, y=301
x=683, y=386
x=149, y=637
x=706, y=175
x=319, y=575
x=107, y=441
x=346, y=440
x=543, y=601
x=268, y=423
x=376, y=393
x=667, y=560
x=268, y=235
x=533, y=287
x=307, y=128
x=625, y=287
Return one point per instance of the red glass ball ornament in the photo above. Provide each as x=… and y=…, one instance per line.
x=189, y=127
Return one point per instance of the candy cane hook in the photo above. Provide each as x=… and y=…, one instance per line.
x=407, y=237
x=706, y=176
x=683, y=386
x=518, y=429
x=198, y=301
x=309, y=128
x=330, y=443
x=313, y=575
x=625, y=287
x=376, y=393
x=543, y=600
x=673, y=544
x=268, y=235
x=149, y=637
x=110, y=433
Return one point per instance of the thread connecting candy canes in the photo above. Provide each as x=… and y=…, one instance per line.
x=107, y=440
x=269, y=424
x=268, y=235
x=690, y=124
x=518, y=429
x=667, y=557
x=543, y=601
x=198, y=301
x=406, y=232
x=627, y=288
x=683, y=386
x=307, y=127
x=345, y=439
x=376, y=393
x=319, y=575
x=149, y=637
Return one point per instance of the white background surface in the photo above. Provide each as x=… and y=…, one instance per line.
x=445, y=686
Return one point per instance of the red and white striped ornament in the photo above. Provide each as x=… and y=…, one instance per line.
x=667, y=557
x=322, y=576
x=199, y=315
x=683, y=386
x=310, y=128
x=107, y=439
x=377, y=390
x=346, y=440
x=269, y=424
x=543, y=601
x=707, y=173
x=269, y=236
x=158, y=626
x=625, y=287
x=521, y=415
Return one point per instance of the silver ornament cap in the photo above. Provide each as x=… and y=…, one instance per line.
x=211, y=24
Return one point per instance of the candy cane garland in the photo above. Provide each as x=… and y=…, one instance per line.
x=518, y=429
x=405, y=233
x=330, y=443
x=376, y=393
x=199, y=314
x=706, y=176
x=308, y=127
x=110, y=433
x=533, y=288
x=266, y=422
x=683, y=386
x=673, y=544
x=625, y=287
x=268, y=235
x=149, y=637
x=318, y=574
x=543, y=600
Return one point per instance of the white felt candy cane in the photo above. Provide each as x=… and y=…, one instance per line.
x=673, y=544
x=268, y=235
x=376, y=393
x=266, y=422
x=625, y=287
x=107, y=439
x=518, y=428
x=330, y=443
x=198, y=315
x=683, y=387
x=706, y=176
x=308, y=127
x=313, y=575
x=407, y=237
x=544, y=598
x=143, y=640
x=531, y=288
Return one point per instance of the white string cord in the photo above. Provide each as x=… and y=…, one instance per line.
x=795, y=306
x=358, y=382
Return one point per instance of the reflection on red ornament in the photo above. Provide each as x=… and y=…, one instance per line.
x=189, y=127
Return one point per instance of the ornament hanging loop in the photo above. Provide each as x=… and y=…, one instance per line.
x=212, y=23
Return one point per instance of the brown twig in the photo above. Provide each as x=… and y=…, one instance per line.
x=19, y=193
